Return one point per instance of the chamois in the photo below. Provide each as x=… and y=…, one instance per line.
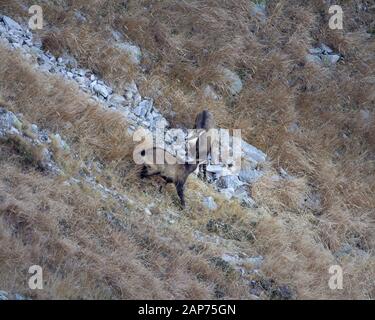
x=172, y=170
x=204, y=121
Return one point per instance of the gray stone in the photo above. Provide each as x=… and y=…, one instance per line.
x=325, y=48
x=217, y=169
x=233, y=80
x=132, y=87
x=79, y=16
x=34, y=128
x=256, y=261
x=241, y=193
x=316, y=51
x=69, y=60
x=19, y=297
x=237, y=260
x=117, y=99
x=128, y=95
x=4, y=295
x=365, y=115
x=227, y=193
x=253, y=154
x=294, y=127
x=60, y=143
x=227, y=182
x=7, y=121
x=137, y=99
x=333, y=58
x=81, y=80
x=209, y=92
x=102, y=90
x=311, y=58
x=249, y=175
x=11, y=24
x=344, y=250
x=143, y=108
x=209, y=203
x=133, y=51
x=258, y=10
x=116, y=35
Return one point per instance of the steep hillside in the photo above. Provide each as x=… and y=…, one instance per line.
x=71, y=201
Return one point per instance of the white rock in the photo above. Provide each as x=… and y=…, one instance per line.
x=69, y=60
x=132, y=87
x=209, y=92
x=80, y=80
x=316, y=51
x=311, y=58
x=258, y=10
x=365, y=116
x=256, y=261
x=133, y=51
x=217, y=169
x=79, y=16
x=143, y=108
x=11, y=24
x=233, y=80
x=209, y=203
x=249, y=175
x=242, y=194
x=333, y=58
x=102, y=90
x=228, y=182
x=228, y=194
x=81, y=72
x=116, y=35
x=34, y=128
x=128, y=95
x=137, y=99
x=116, y=99
x=325, y=48
x=4, y=295
x=252, y=154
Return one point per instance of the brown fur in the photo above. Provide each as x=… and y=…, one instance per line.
x=172, y=171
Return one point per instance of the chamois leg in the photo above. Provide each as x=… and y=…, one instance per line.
x=143, y=172
x=180, y=192
x=204, y=169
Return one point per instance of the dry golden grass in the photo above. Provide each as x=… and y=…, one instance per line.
x=331, y=154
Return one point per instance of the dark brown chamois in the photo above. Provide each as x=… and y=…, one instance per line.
x=173, y=170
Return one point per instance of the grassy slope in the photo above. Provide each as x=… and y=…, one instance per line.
x=183, y=49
